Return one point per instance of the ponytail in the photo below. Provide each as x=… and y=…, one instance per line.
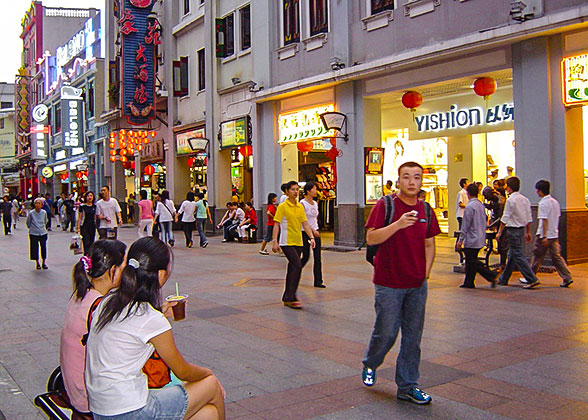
x=81, y=282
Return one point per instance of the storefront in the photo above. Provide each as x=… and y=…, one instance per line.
x=235, y=144
x=153, y=177
x=192, y=148
x=306, y=156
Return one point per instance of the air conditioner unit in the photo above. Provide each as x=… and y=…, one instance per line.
x=522, y=10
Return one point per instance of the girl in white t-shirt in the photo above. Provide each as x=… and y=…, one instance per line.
x=165, y=213
x=93, y=276
x=312, y=213
x=128, y=325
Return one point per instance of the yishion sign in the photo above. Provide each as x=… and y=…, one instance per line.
x=463, y=118
x=72, y=117
x=140, y=37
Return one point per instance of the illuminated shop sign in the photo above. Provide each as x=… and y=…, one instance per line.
x=304, y=125
x=235, y=133
x=575, y=80
x=72, y=117
x=183, y=145
x=141, y=34
x=463, y=118
x=39, y=131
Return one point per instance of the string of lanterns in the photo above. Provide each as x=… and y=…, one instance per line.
x=124, y=143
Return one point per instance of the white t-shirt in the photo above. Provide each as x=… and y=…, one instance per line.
x=312, y=213
x=239, y=215
x=548, y=210
x=108, y=209
x=462, y=197
x=283, y=198
x=165, y=212
x=115, y=356
x=187, y=209
x=517, y=211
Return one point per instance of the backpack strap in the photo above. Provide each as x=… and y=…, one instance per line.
x=428, y=213
x=389, y=202
x=93, y=307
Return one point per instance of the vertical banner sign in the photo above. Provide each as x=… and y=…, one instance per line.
x=21, y=92
x=140, y=35
x=72, y=117
x=39, y=132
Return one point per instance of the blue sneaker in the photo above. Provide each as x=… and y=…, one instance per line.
x=415, y=395
x=368, y=376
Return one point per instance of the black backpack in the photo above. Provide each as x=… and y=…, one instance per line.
x=372, y=250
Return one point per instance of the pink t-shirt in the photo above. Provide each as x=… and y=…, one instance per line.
x=72, y=355
x=146, y=209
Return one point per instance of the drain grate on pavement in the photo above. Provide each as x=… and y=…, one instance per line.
x=259, y=283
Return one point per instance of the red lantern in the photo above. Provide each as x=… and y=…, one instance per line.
x=412, y=100
x=113, y=158
x=133, y=165
x=305, y=146
x=126, y=165
x=485, y=86
x=246, y=151
x=149, y=170
x=191, y=161
x=333, y=153
x=79, y=175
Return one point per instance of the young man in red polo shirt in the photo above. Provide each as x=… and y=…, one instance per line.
x=401, y=268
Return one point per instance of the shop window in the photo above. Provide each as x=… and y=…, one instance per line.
x=378, y=6
x=90, y=100
x=245, y=22
x=57, y=118
x=180, y=76
x=225, y=36
x=319, y=17
x=186, y=4
x=291, y=21
x=201, y=70
x=1, y=123
x=5, y=105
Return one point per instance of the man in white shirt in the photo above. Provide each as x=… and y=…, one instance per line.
x=462, y=200
x=283, y=197
x=516, y=220
x=548, y=233
x=108, y=214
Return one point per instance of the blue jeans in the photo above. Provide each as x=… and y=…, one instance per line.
x=516, y=238
x=166, y=231
x=398, y=309
x=200, y=223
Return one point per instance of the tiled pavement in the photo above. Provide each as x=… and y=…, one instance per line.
x=487, y=354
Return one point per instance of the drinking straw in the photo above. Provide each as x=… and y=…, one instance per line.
x=177, y=289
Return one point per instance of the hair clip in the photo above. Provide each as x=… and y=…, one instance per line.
x=133, y=263
x=87, y=261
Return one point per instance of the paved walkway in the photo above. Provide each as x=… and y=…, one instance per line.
x=487, y=354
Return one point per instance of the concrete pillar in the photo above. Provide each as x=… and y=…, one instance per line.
x=460, y=164
x=549, y=139
x=289, y=163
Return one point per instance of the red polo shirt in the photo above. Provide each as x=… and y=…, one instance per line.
x=400, y=262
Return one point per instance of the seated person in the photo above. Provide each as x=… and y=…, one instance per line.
x=249, y=221
x=128, y=325
x=94, y=275
x=232, y=232
x=227, y=220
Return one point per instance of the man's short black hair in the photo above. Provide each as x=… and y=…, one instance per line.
x=283, y=187
x=514, y=183
x=543, y=186
x=107, y=187
x=290, y=185
x=462, y=182
x=472, y=190
x=409, y=164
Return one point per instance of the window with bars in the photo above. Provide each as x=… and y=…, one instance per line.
x=319, y=16
x=245, y=19
x=378, y=6
x=201, y=70
x=180, y=76
x=291, y=21
x=225, y=36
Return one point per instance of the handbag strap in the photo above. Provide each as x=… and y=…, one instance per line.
x=93, y=307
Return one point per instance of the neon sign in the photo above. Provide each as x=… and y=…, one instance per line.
x=304, y=125
x=72, y=117
x=574, y=74
x=463, y=118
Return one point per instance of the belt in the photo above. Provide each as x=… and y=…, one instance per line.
x=511, y=227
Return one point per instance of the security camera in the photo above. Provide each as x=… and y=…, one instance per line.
x=336, y=63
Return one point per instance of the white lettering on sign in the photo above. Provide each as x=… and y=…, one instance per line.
x=462, y=118
x=72, y=135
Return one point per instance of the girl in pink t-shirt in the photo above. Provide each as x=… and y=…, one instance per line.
x=145, y=215
x=94, y=275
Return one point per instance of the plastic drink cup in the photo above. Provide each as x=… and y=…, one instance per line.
x=179, y=309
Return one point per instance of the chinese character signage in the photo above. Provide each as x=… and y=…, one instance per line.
x=464, y=118
x=140, y=36
x=235, y=133
x=72, y=117
x=39, y=132
x=183, y=141
x=304, y=125
x=575, y=80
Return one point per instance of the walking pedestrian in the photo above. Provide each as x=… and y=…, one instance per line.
x=516, y=221
x=37, y=225
x=131, y=207
x=290, y=215
x=108, y=214
x=402, y=266
x=6, y=208
x=312, y=212
x=145, y=215
x=202, y=214
x=86, y=224
x=462, y=201
x=271, y=212
x=187, y=211
x=165, y=212
x=16, y=211
x=547, y=238
x=473, y=238
x=69, y=209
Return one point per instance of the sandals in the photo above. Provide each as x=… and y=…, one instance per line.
x=294, y=305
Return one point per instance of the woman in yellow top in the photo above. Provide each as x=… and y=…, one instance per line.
x=289, y=216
